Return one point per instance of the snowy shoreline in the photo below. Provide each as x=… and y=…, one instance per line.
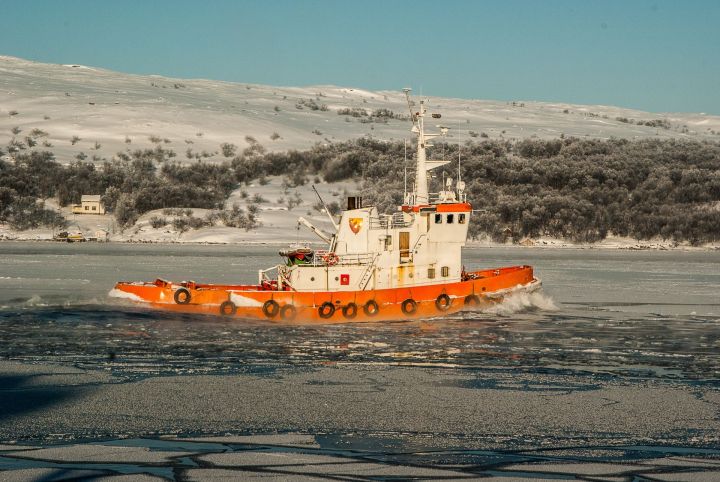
x=623, y=244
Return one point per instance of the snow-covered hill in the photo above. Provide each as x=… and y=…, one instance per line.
x=99, y=113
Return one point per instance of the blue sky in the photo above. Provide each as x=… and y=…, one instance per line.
x=656, y=55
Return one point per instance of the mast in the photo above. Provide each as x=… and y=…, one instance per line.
x=421, y=185
x=420, y=193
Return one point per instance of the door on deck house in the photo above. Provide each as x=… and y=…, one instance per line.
x=404, y=244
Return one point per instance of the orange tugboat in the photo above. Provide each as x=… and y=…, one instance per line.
x=376, y=267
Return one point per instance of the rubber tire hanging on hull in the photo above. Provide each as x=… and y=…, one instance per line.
x=409, y=306
x=326, y=310
x=271, y=308
x=350, y=310
x=443, y=302
x=182, y=296
x=288, y=312
x=371, y=308
x=472, y=300
x=227, y=308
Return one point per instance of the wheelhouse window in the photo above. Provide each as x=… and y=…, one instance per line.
x=461, y=218
x=450, y=218
x=438, y=218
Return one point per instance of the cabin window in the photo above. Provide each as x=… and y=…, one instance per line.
x=438, y=218
x=93, y=208
x=445, y=271
x=431, y=273
x=87, y=208
x=450, y=218
x=388, y=243
x=461, y=218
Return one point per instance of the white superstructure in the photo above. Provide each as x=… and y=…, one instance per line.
x=420, y=244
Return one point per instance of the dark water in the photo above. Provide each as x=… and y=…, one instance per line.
x=620, y=315
x=648, y=314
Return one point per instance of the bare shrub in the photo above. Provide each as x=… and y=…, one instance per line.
x=158, y=222
x=228, y=149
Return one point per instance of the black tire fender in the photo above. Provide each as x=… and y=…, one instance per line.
x=409, y=306
x=326, y=310
x=371, y=308
x=350, y=310
x=271, y=308
x=227, y=308
x=443, y=302
x=182, y=296
x=288, y=312
x=472, y=300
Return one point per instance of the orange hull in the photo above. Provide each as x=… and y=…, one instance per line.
x=266, y=303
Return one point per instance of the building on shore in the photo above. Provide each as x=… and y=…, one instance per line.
x=89, y=204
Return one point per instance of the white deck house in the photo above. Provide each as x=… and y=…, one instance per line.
x=419, y=245
x=89, y=204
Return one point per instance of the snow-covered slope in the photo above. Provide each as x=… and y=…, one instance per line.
x=110, y=112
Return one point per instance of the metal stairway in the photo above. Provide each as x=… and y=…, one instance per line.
x=367, y=274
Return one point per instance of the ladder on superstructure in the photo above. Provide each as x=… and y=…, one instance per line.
x=368, y=272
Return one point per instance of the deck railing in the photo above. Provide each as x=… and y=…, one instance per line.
x=325, y=258
x=385, y=221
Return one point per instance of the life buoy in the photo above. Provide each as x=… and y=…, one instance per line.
x=288, y=312
x=371, y=308
x=409, y=306
x=349, y=311
x=330, y=259
x=472, y=300
x=227, y=308
x=271, y=308
x=326, y=310
x=443, y=302
x=182, y=296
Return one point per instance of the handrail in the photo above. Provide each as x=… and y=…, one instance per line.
x=350, y=259
x=385, y=221
x=262, y=274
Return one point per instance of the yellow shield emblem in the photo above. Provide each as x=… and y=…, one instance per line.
x=355, y=224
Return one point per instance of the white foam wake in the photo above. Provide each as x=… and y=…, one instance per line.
x=521, y=301
x=116, y=293
x=35, y=300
